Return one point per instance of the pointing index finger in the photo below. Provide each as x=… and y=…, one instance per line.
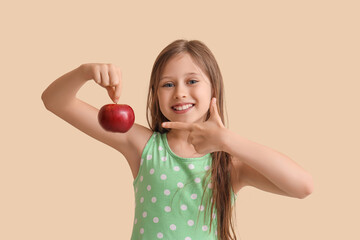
x=177, y=125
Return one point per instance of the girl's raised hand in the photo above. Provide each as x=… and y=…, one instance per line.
x=206, y=137
x=107, y=76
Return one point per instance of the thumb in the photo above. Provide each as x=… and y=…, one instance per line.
x=214, y=113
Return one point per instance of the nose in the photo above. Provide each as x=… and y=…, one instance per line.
x=180, y=92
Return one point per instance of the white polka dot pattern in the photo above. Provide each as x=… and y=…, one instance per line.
x=190, y=222
x=168, y=195
x=183, y=207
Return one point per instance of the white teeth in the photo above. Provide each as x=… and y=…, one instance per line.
x=183, y=107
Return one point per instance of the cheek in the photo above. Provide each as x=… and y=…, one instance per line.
x=162, y=99
x=204, y=94
x=162, y=103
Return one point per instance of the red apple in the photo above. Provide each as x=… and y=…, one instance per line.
x=116, y=117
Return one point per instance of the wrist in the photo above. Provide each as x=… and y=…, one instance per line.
x=224, y=139
x=84, y=71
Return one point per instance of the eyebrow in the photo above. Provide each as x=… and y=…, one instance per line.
x=186, y=74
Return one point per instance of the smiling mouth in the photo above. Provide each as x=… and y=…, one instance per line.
x=183, y=107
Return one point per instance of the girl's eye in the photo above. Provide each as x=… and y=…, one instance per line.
x=168, y=85
x=193, y=81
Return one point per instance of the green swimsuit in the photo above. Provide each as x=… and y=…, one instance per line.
x=168, y=192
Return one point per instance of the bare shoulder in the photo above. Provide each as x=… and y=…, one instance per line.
x=134, y=144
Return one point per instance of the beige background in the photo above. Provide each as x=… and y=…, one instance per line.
x=291, y=71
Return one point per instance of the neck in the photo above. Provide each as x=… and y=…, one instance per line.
x=178, y=143
x=179, y=135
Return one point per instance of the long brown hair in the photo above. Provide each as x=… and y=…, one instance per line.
x=221, y=161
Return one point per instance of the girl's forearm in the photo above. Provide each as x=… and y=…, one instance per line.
x=64, y=89
x=278, y=168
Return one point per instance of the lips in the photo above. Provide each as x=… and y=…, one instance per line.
x=182, y=106
x=182, y=103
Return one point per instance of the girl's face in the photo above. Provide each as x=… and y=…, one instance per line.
x=184, y=91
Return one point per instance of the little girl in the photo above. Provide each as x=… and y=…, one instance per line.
x=187, y=166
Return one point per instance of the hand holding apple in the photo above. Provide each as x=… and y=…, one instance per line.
x=112, y=117
x=116, y=117
x=107, y=76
